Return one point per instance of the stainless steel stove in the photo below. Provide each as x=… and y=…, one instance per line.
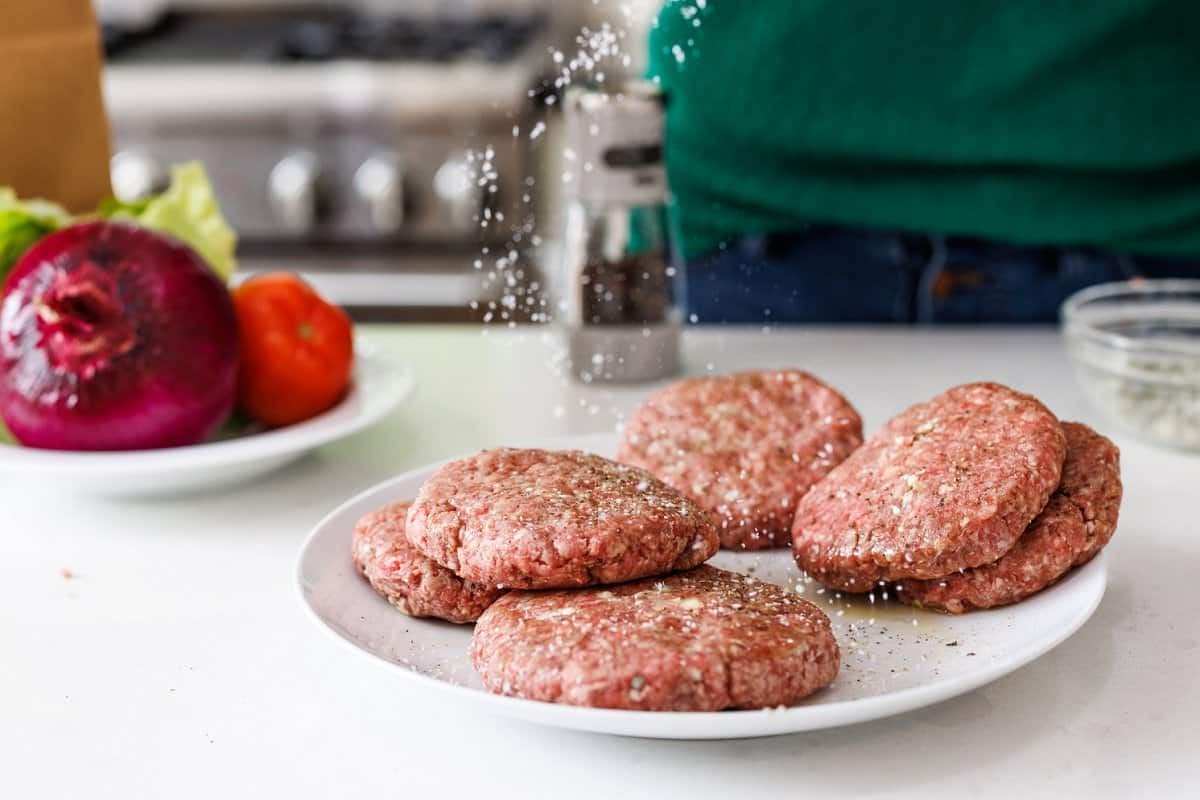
x=343, y=145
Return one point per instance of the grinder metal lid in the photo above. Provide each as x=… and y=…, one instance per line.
x=615, y=145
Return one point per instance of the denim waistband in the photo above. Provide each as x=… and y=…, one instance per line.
x=828, y=273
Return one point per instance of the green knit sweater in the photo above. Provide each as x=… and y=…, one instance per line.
x=1030, y=121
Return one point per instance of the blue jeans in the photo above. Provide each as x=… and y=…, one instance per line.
x=838, y=274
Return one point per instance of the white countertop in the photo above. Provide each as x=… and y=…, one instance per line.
x=177, y=663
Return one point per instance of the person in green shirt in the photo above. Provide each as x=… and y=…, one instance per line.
x=927, y=161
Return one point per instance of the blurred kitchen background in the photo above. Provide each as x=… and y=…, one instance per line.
x=404, y=155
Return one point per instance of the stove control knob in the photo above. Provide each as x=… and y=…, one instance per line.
x=456, y=184
x=136, y=175
x=379, y=185
x=292, y=188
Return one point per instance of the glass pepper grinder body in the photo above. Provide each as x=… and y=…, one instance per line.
x=619, y=281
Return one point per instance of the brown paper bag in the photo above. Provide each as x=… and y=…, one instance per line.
x=53, y=131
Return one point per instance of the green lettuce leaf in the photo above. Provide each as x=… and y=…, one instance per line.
x=188, y=211
x=112, y=207
x=5, y=436
x=24, y=223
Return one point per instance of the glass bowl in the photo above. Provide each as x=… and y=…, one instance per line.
x=1135, y=346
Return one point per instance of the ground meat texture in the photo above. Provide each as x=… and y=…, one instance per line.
x=540, y=519
x=1092, y=480
x=947, y=485
x=746, y=447
x=702, y=640
x=410, y=581
x=1079, y=520
x=1039, y=558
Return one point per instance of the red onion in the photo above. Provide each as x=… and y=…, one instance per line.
x=113, y=337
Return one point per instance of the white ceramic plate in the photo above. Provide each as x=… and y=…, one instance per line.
x=894, y=659
x=379, y=387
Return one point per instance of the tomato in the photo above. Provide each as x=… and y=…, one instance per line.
x=297, y=350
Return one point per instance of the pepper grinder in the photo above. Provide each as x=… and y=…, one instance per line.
x=619, y=284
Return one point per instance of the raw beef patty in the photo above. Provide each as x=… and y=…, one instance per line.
x=410, y=581
x=746, y=447
x=702, y=640
x=541, y=519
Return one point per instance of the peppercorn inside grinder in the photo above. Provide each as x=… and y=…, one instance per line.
x=618, y=283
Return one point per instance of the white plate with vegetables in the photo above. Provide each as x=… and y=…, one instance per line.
x=124, y=355
x=379, y=387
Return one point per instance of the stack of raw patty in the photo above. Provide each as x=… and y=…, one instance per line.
x=977, y=498
x=657, y=631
